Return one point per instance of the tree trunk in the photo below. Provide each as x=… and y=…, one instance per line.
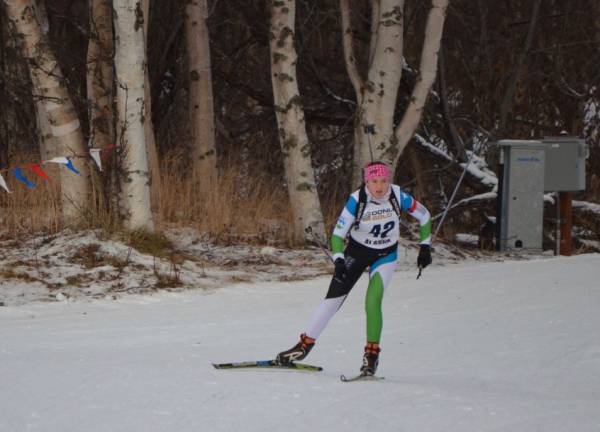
x=374, y=134
x=455, y=138
x=513, y=78
x=293, y=139
x=596, y=20
x=4, y=115
x=100, y=78
x=100, y=74
x=153, y=162
x=200, y=105
x=376, y=97
x=427, y=73
x=130, y=70
x=48, y=82
x=48, y=145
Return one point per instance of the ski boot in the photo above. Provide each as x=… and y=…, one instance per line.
x=370, y=359
x=297, y=352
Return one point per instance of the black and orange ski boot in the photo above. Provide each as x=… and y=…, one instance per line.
x=370, y=359
x=297, y=352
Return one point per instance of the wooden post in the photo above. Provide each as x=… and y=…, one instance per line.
x=566, y=225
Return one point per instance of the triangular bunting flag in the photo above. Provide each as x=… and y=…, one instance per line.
x=3, y=184
x=19, y=175
x=38, y=170
x=60, y=160
x=108, y=149
x=65, y=161
x=71, y=166
x=95, y=153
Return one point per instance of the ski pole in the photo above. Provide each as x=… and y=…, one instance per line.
x=437, y=229
x=369, y=129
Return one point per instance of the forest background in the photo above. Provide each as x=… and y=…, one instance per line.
x=506, y=69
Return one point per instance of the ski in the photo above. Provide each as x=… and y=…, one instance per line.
x=268, y=364
x=360, y=377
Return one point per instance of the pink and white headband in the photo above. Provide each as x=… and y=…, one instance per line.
x=378, y=169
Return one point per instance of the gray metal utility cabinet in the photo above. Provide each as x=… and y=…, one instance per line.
x=522, y=211
x=565, y=163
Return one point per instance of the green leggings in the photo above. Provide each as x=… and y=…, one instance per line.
x=373, y=308
x=381, y=269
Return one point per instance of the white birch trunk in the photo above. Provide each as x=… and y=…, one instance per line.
x=64, y=123
x=200, y=105
x=130, y=69
x=427, y=73
x=377, y=95
x=295, y=147
x=47, y=143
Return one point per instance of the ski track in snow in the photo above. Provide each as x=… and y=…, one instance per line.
x=496, y=346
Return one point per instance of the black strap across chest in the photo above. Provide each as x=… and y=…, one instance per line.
x=362, y=204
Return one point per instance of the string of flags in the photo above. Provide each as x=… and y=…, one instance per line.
x=36, y=168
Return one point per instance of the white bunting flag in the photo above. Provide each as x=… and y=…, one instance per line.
x=3, y=184
x=95, y=153
x=60, y=160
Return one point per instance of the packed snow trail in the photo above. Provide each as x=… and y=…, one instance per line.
x=510, y=346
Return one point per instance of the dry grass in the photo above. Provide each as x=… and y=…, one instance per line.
x=231, y=208
x=30, y=210
x=252, y=208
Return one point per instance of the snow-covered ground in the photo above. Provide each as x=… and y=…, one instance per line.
x=477, y=346
x=88, y=264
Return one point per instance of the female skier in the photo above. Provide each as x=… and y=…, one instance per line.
x=371, y=216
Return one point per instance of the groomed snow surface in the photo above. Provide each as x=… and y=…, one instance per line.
x=478, y=346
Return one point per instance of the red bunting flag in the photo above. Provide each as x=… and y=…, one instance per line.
x=107, y=150
x=38, y=170
x=95, y=153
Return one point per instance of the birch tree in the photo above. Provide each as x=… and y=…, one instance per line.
x=130, y=69
x=49, y=85
x=293, y=139
x=376, y=137
x=48, y=144
x=200, y=105
x=100, y=73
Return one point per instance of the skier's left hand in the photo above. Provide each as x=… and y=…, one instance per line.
x=424, y=258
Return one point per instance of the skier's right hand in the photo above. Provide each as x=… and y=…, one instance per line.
x=340, y=269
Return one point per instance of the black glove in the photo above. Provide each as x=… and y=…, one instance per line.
x=424, y=258
x=340, y=269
